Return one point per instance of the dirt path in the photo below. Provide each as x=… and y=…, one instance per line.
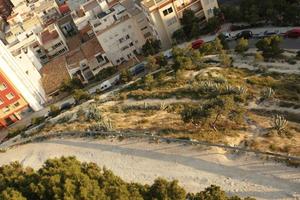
x=195, y=168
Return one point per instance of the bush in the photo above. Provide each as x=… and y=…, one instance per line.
x=292, y=61
x=70, y=85
x=67, y=178
x=270, y=46
x=106, y=73
x=37, y=120
x=14, y=132
x=54, y=110
x=242, y=46
x=259, y=57
x=151, y=47
x=81, y=95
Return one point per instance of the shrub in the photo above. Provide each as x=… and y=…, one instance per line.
x=81, y=95
x=37, y=120
x=106, y=73
x=125, y=76
x=279, y=123
x=259, y=57
x=292, y=61
x=149, y=81
x=70, y=85
x=270, y=46
x=242, y=46
x=93, y=113
x=16, y=131
x=54, y=110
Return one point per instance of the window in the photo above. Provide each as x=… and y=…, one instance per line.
x=17, y=104
x=2, y=86
x=143, y=28
x=99, y=58
x=10, y=96
x=168, y=11
x=1, y=101
x=5, y=109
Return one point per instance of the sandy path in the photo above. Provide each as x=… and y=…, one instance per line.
x=137, y=160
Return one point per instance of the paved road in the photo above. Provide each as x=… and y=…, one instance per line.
x=287, y=43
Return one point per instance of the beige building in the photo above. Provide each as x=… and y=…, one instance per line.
x=53, y=41
x=118, y=30
x=165, y=15
x=87, y=60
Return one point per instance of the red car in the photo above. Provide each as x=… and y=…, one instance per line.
x=294, y=33
x=197, y=44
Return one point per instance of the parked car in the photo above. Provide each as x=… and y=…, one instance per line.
x=227, y=36
x=66, y=106
x=197, y=44
x=294, y=33
x=105, y=85
x=244, y=34
x=168, y=54
x=139, y=68
x=266, y=34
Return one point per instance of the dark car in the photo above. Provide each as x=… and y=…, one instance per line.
x=294, y=33
x=66, y=106
x=244, y=34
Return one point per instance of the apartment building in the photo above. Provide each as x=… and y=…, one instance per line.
x=165, y=15
x=118, y=32
x=53, y=41
x=47, y=10
x=11, y=102
x=87, y=61
x=20, y=85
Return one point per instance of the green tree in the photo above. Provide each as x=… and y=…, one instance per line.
x=125, y=76
x=71, y=85
x=81, y=95
x=179, y=36
x=225, y=60
x=242, y=46
x=151, y=63
x=270, y=46
x=54, y=110
x=67, y=178
x=161, y=60
x=213, y=24
x=189, y=21
x=259, y=57
x=149, y=81
x=151, y=47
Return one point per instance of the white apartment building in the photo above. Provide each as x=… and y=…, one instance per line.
x=165, y=15
x=118, y=32
x=24, y=76
x=53, y=41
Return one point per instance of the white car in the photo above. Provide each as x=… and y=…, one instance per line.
x=228, y=36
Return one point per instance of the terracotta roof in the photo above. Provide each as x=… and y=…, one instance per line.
x=87, y=51
x=91, y=47
x=63, y=9
x=90, y=5
x=54, y=74
x=47, y=36
x=73, y=58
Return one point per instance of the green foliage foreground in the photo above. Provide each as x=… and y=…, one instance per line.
x=68, y=179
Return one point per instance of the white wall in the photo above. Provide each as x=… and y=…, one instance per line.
x=24, y=77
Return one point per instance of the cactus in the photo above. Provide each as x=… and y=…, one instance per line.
x=279, y=123
x=267, y=93
x=229, y=89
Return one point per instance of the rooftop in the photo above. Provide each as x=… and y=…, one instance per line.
x=48, y=35
x=54, y=74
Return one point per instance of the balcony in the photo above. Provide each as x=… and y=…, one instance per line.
x=187, y=4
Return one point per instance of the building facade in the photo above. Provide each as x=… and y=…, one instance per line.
x=21, y=86
x=164, y=15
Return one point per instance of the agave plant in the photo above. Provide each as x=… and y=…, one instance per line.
x=93, y=113
x=163, y=106
x=105, y=124
x=241, y=90
x=279, y=123
x=267, y=93
x=229, y=89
